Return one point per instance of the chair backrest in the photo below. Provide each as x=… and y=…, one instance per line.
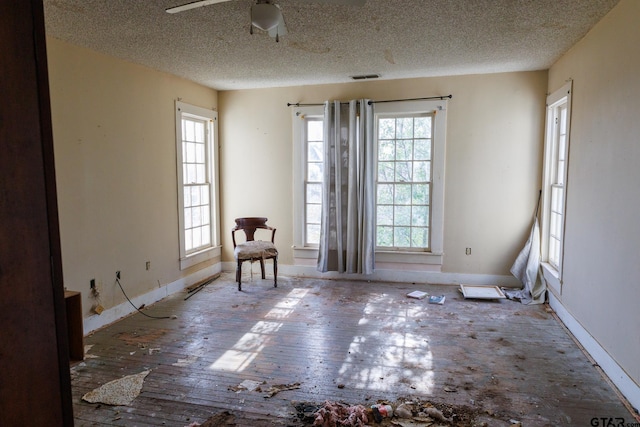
x=249, y=225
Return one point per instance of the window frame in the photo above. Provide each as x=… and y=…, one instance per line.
x=213, y=249
x=556, y=100
x=385, y=257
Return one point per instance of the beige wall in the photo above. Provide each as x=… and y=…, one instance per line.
x=494, y=149
x=602, y=255
x=114, y=138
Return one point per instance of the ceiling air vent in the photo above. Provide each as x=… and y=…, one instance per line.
x=366, y=77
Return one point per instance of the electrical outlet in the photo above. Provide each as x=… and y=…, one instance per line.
x=467, y=251
x=148, y=265
x=118, y=274
x=93, y=283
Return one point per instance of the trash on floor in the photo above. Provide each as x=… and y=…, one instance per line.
x=275, y=389
x=481, y=292
x=437, y=299
x=417, y=294
x=249, y=385
x=118, y=392
x=339, y=414
x=219, y=420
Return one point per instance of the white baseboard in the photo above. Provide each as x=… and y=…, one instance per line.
x=625, y=384
x=382, y=275
x=113, y=314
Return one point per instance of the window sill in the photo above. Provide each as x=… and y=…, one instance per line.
x=199, y=257
x=552, y=277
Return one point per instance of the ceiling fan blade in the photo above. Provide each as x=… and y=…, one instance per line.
x=280, y=29
x=193, y=5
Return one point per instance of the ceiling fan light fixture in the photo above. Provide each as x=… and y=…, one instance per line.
x=265, y=16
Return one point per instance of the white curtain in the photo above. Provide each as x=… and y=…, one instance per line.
x=527, y=269
x=347, y=229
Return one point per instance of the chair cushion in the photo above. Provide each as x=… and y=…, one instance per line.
x=255, y=249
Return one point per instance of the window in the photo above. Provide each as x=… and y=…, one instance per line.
x=314, y=142
x=403, y=181
x=555, y=176
x=410, y=143
x=196, y=136
x=308, y=126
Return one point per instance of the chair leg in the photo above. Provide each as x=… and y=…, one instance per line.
x=275, y=272
x=262, y=268
x=239, y=275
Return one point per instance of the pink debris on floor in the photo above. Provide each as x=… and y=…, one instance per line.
x=337, y=414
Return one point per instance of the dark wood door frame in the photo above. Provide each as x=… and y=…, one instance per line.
x=35, y=386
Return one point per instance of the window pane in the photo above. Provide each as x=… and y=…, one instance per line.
x=191, y=152
x=314, y=130
x=386, y=128
x=385, y=194
x=188, y=240
x=200, y=153
x=421, y=171
x=420, y=216
x=384, y=215
x=386, y=150
x=404, y=127
x=422, y=149
x=402, y=194
x=386, y=171
x=402, y=237
x=315, y=172
x=420, y=194
x=191, y=174
x=187, y=198
x=200, y=173
x=422, y=127
x=195, y=218
x=313, y=234
x=195, y=195
x=187, y=218
x=384, y=236
x=315, y=151
x=206, y=235
x=404, y=172
x=199, y=132
x=402, y=215
x=314, y=214
x=190, y=130
x=314, y=193
x=204, y=215
x=404, y=150
x=204, y=194
x=419, y=237
x=197, y=238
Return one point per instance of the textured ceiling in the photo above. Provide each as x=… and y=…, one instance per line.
x=328, y=43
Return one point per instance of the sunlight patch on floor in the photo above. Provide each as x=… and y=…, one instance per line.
x=249, y=346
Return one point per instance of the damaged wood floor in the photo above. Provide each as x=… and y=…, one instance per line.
x=345, y=341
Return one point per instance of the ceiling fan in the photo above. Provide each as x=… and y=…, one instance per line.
x=265, y=15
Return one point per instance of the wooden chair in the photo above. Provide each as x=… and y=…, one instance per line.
x=254, y=250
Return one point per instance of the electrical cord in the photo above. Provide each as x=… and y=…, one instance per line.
x=133, y=305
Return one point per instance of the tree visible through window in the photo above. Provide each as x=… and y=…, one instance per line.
x=404, y=181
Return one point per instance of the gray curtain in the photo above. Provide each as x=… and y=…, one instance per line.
x=347, y=229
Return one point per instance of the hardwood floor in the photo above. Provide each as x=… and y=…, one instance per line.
x=353, y=342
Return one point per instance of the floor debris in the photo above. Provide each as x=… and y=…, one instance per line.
x=219, y=420
x=118, y=392
x=275, y=389
x=338, y=414
x=248, y=385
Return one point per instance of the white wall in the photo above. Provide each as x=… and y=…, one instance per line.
x=494, y=149
x=114, y=140
x=601, y=286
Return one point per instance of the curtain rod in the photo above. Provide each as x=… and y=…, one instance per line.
x=297, y=104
